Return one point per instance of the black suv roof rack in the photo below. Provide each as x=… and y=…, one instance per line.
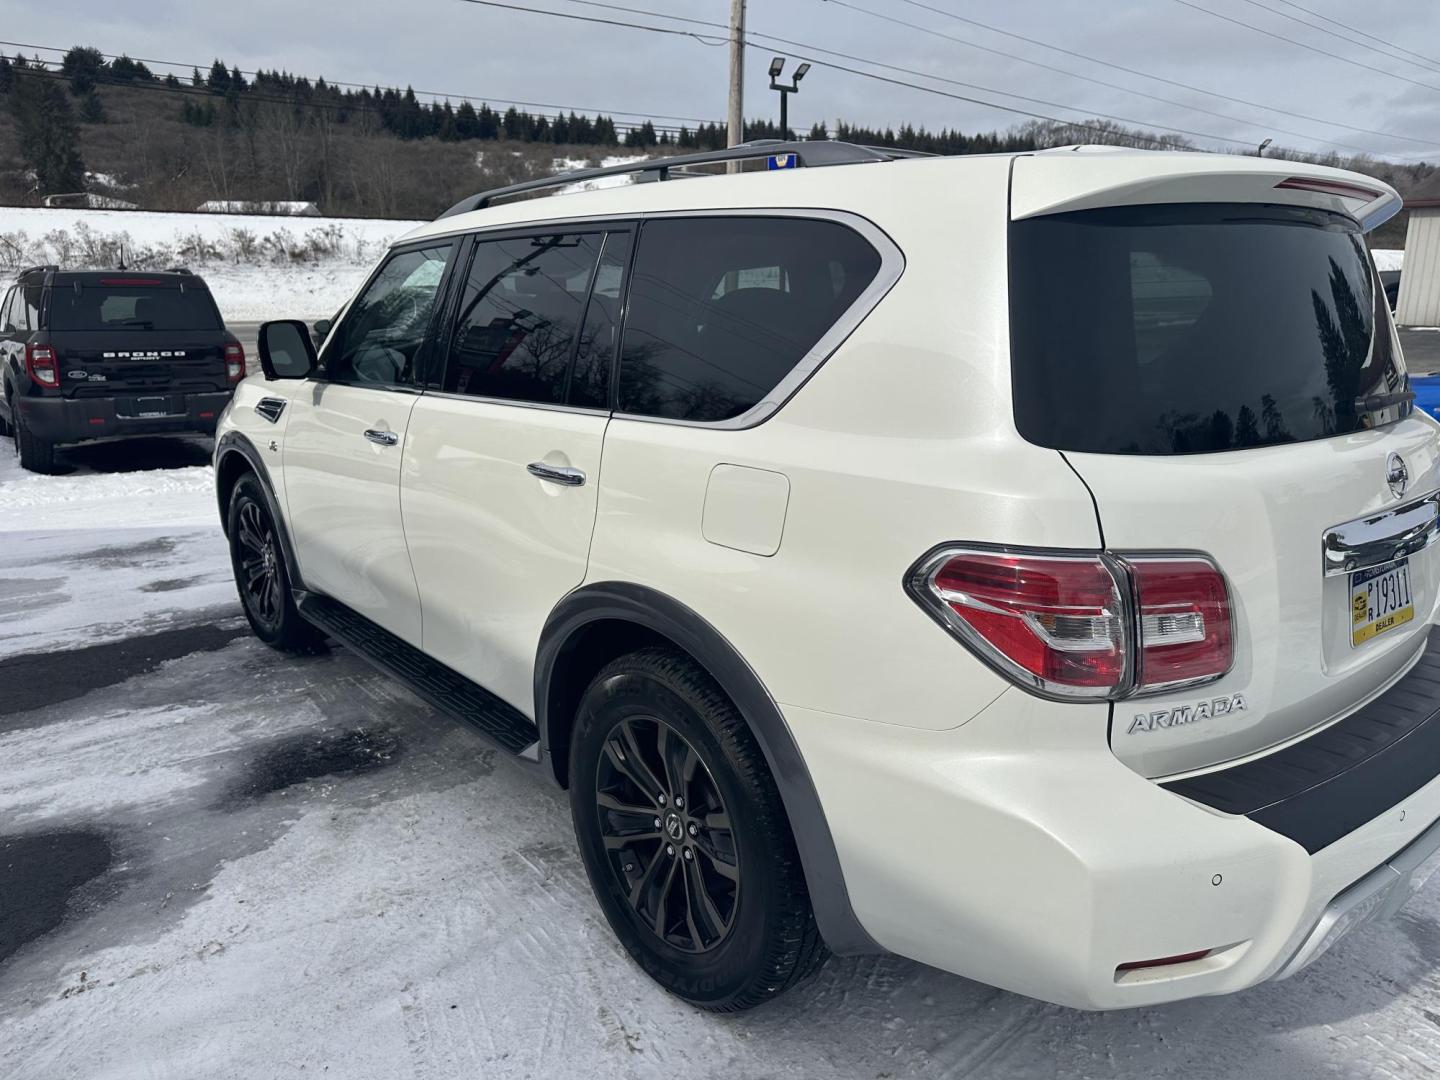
x=179, y=270
x=47, y=268
x=811, y=154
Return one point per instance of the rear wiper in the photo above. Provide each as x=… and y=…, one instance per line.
x=1377, y=402
x=144, y=324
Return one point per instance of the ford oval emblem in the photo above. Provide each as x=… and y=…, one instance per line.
x=77, y=374
x=1397, y=475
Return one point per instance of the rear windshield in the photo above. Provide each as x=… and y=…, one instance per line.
x=132, y=307
x=1197, y=328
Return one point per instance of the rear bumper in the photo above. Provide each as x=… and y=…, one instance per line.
x=71, y=420
x=1018, y=851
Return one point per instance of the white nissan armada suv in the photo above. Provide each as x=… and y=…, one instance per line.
x=1020, y=563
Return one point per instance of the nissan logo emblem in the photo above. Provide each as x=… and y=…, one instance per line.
x=1397, y=475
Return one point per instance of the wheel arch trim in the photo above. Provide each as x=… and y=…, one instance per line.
x=663, y=615
x=235, y=442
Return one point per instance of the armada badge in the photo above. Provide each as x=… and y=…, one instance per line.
x=1187, y=714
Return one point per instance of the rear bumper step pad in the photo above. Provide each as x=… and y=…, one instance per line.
x=1319, y=789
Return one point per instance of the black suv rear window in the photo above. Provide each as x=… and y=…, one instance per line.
x=1197, y=328
x=122, y=305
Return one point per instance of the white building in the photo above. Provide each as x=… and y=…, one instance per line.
x=1419, y=303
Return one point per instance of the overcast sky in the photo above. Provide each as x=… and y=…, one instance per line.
x=463, y=48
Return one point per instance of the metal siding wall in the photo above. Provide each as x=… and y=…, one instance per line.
x=1420, y=281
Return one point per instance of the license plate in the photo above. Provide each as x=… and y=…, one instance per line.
x=1380, y=600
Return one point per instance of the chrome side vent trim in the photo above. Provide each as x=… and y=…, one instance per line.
x=270, y=408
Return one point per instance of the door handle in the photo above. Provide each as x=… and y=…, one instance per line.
x=383, y=438
x=556, y=474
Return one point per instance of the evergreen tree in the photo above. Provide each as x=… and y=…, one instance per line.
x=7, y=75
x=467, y=122
x=82, y=65
x=219, y=80
x=47, y=134
x=92, y=110
x=126, y=70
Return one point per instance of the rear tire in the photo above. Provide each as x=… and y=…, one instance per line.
x=6, y=428
x=711, y=903
x=36, y=455
x=257, y=558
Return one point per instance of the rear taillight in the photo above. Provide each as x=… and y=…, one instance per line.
x=41, y=366
x=234, y=362
x=1185, y=634
x=1082, y=626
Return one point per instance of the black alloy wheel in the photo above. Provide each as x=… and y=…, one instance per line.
x=684, y=835
x=668, y=834
x=259, y=570
x=257, y=557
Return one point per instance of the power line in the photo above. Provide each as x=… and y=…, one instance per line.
x=752, y=37
x=1160, y=78
x=1311, y=48
x=1362, y=33
x=1087, y=78
x=1425, y=65
x=437, y=95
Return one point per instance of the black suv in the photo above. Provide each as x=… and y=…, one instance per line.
x=96, y=354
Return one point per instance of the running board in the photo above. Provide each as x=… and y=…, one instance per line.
x=430, y=680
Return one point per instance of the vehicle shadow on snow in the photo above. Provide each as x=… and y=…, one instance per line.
x=134, y=455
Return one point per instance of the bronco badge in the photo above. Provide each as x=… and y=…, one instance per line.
x=1186, y=714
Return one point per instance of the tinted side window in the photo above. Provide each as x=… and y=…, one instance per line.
x=29, y=306
x=7, y=317
x=379, y=340
x=722, y=309
x=519, y=317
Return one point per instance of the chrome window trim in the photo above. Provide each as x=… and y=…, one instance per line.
x=583, y=410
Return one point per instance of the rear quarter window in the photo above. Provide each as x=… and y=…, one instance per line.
x=722, y=309
x=1195, y=329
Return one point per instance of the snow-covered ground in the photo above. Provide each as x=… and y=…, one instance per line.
x=289, y=867
x=248, y=260
x=1388, y=258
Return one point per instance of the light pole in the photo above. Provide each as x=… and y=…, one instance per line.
x=777, y=65
x=1261, y=152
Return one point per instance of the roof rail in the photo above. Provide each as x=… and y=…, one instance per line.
x=179, y=270
x=809, y=154
x=44, y=269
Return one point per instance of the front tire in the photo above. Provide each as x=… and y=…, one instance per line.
x=711, y=902
x=258, y=559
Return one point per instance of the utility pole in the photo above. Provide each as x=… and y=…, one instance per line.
x=737, y=73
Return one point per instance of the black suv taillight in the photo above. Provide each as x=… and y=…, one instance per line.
x=42, y=366
x=234, y=362
x=1081, y=626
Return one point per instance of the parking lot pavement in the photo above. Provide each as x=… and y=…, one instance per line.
x=220, y=861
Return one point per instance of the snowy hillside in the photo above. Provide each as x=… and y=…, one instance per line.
x=257, y=267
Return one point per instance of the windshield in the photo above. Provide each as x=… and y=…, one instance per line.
x=1197, y=328
x=132, y=307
